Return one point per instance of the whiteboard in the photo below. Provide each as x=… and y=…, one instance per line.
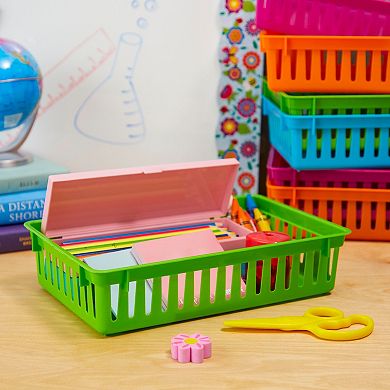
x=126, y=82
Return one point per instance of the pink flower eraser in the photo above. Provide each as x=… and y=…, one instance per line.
x=190, y=348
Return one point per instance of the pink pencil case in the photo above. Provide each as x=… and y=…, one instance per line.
x=89, y=204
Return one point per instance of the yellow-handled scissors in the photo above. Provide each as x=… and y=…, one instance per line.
x=323, y=322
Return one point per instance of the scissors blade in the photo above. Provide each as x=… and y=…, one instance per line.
x=280, y=323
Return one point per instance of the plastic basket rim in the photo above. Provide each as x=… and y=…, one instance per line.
x=327, y=170
x=343, y=232
x=324, y=117
x=377, y=191
x=339, y=231
x=325, y=96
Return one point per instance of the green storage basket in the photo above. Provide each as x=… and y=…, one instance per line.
x=306, y=104
x=85, y=291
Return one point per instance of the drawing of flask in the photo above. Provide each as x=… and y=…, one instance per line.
x=111, y=113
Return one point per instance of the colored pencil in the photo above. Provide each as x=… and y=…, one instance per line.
x=127, y=243
x=138, y=233
x=261, y=221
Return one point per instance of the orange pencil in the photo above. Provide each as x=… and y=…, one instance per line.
x=247, y=215
x=234, y=211
x=245, y=219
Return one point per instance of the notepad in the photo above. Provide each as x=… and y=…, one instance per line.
x=194, y=244
x=120, y=259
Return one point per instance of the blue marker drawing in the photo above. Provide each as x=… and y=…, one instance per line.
x=142, y=23
x=112, y=113
x=150, y=5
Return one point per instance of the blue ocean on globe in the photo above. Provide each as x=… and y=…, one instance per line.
x=20, y=85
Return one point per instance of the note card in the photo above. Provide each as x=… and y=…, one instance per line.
x=120, y=259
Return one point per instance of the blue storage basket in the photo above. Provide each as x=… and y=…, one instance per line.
x=330, y=141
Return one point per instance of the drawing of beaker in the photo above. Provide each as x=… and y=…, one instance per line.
x=112, y=113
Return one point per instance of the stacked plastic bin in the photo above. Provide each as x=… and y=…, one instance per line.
x=328, y=73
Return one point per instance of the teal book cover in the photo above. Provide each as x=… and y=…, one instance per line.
x=28, y=177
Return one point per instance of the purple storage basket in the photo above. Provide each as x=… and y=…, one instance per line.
x=325, y=17
x=281, y=174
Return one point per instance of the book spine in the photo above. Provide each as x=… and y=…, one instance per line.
x=15, y=241
x=21, y=207
x=22, y=184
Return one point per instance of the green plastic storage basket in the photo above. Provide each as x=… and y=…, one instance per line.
x=313, y=251
x=307, y=104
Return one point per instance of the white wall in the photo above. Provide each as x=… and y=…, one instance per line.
x=175, y=78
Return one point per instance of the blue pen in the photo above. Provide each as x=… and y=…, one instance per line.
x=250, y=205
x=101, y=252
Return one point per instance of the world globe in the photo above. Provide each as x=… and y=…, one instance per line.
x=20, y=93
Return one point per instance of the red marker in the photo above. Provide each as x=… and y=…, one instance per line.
x=264, y=238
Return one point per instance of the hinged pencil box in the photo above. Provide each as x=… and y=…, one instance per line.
x=109, y=203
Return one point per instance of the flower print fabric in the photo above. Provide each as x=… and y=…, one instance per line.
x=238, y=130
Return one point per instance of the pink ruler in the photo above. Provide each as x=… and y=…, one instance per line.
x=75, y=67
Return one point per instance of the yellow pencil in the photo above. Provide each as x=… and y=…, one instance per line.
x=261, y=221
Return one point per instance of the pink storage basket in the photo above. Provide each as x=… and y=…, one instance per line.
x=281, y=174
x=356, y=199
x=325, y=17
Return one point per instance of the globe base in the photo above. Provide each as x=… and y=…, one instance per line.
x=14, y=159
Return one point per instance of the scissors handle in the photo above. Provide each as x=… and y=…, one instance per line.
x=329, y=329
x=324, y=312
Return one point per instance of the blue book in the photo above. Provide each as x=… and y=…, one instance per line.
x=21, y=207
x=29, y=177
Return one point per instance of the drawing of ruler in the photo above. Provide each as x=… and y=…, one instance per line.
x=75, y=67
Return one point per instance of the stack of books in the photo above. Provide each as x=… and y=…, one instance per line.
x=22, y=197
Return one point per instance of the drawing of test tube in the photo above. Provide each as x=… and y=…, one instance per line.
x=112, y=113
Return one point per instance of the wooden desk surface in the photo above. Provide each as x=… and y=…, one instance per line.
x=43, y=345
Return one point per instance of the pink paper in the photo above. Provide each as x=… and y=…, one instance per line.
x=176, y=247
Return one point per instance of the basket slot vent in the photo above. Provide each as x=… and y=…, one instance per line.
x=374, y=206
x=385, y=66
x=294, y=56
x=387, y=215
x=334, y=252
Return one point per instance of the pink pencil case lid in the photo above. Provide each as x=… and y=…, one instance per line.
x=114, y=201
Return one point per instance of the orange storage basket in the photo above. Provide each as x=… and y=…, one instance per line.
x=327, y=63
x=363, y=210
